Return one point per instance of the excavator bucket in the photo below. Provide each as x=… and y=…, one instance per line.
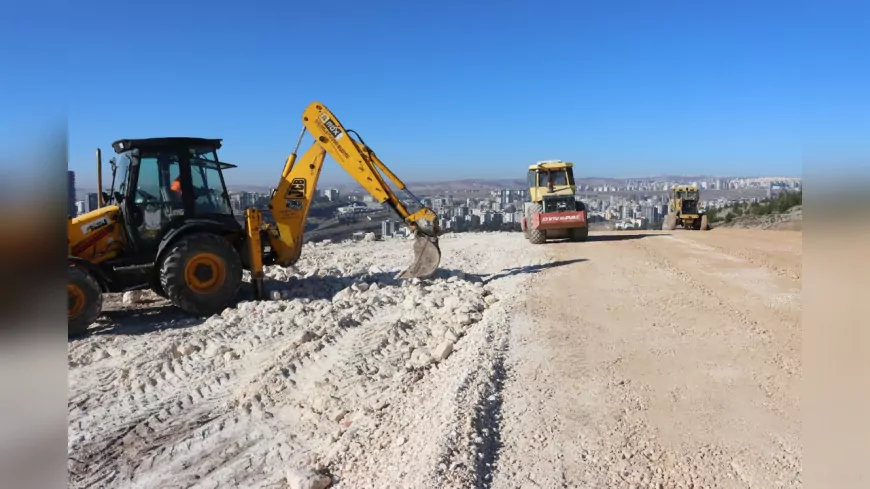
x=427, y=257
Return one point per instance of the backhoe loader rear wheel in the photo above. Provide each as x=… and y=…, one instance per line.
x=84, y=301
x=536, y=236
x=201, y=274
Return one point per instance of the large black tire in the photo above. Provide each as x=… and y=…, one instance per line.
x=154, y=283
x=670, y=221
x=536, y=236
x=84, y=301
x=201, y=274
x=578, y=234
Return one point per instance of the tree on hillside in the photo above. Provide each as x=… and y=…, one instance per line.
x=713, y=215
x=779, y=204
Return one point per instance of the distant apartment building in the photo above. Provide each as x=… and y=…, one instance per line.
x=241, y=201
x=93, y=202
x=71, y=193
x=353, y=208
x=390, y=228
x=650, y=214
x=623, y=212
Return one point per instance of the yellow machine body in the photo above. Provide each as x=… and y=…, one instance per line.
x=96, y=236
x=295, y=192
x=542, y=174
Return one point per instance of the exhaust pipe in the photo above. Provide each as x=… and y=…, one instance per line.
x=100, y=202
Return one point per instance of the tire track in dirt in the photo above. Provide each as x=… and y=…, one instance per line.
x=345, y=382
x=164, y=396
x=651, y=372
x=776, y=252
x=767, y=302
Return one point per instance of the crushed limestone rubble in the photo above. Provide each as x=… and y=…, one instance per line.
x=346, y=368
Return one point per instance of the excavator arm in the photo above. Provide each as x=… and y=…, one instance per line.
x=292, y=199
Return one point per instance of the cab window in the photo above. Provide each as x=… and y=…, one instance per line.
x=208, y=186
x=156, y=173
x=123, y=164
x=559, y=178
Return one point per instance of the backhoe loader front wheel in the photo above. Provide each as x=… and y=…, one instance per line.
x=84, y=301
x=201, y=274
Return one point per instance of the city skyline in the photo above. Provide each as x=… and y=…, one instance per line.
x=498, y=204
x=90, y=185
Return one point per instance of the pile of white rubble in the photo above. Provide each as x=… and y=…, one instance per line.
x=335, y=374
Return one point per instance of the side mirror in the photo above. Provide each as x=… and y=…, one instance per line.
x=118, y=197
x=106, y=198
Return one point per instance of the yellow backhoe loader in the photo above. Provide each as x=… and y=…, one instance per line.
x=170, y=226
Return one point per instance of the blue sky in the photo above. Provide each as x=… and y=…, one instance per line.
x=461, y=89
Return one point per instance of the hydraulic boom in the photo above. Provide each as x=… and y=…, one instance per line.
x=292, y=199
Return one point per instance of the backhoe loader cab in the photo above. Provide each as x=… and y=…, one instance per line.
x=169, y=184
x=684, y=209
x=553, y=211
x=171, y=229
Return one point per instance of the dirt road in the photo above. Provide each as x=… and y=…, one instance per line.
x=661, y=360
x=636, y=359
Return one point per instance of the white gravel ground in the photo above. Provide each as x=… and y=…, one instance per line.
x=366, y=380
